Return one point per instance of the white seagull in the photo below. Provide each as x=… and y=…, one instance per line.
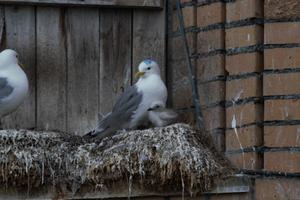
x=131, y=108
x=13, y=82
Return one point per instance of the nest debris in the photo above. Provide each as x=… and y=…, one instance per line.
x=176, y=157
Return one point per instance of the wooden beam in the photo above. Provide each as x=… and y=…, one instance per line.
x=158, y=4
x=231, y=185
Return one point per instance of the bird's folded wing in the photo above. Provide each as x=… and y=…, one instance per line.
x=5, y=88
x=121, y=113
x=127, y=103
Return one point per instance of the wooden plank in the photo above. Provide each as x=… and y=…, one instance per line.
x=51, y=69
x=2, y=23
x=83, y=69
x=103, y=3
x=149, y=38
x=230, y=185
x=20, y=36
x=115, y=56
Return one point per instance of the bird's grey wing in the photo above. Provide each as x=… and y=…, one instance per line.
x=129, y=99
x=5, y=88
x=121, y=113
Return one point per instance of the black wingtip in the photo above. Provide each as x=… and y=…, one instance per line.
x=90, y=134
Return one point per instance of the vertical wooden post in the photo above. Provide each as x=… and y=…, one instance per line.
x=115, y=55
x=149, y=38
x=51, y=69
x=82, y=27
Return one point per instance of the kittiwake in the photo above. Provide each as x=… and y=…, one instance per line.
x=130, y=110
x=13, y=82
x=160, y=116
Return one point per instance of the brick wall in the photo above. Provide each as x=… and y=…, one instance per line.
x=244, y=64
x=247, y=61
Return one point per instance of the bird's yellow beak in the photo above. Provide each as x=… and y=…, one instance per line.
x=139, y=74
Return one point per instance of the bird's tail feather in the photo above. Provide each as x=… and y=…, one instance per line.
x=103, y=128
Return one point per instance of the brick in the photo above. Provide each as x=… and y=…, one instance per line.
x=277, y=189
x=243, y=9
x=214, y=117
x=210, y=14
x=282, y=33
x=188, y=16
x=243, y=114
x=282, y=110
x=210, y=67
x=181, y=94
x=243, y=88
x=176, y=47
x=249, y=160
x=282, y=58
x=282, y=136
x=281, y=84
x=278, y=9
x=210, y=40
x=282, y=161
x=208, y=94
x=244, y=137
x=244, y=36
x=244, y=63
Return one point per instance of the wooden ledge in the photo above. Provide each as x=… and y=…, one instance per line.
x=154, y=4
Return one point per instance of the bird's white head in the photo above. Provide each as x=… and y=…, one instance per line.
x=146, y=68
x=8, y=57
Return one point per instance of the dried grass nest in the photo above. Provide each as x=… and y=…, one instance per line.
x=156, y=159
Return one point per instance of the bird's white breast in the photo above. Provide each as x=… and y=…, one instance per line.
x=18, y=80
x=153, y=89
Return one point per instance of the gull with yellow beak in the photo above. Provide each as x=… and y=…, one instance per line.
x=131, y=108
x=13, y=82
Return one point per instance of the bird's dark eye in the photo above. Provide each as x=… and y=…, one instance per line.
x=148, y=68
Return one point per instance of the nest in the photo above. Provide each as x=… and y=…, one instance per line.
x=174, y=157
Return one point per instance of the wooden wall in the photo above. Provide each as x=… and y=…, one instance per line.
x=78, y=59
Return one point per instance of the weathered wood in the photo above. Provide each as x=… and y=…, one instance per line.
x=115, y=56
x=149, y=38
x=51, y=69
x=105, y=3
x=231, y=185
x=51, y=48
x=2, y=22
x=20, y=36
x=83, y=69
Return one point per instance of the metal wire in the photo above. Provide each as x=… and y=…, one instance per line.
x=192, y=77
